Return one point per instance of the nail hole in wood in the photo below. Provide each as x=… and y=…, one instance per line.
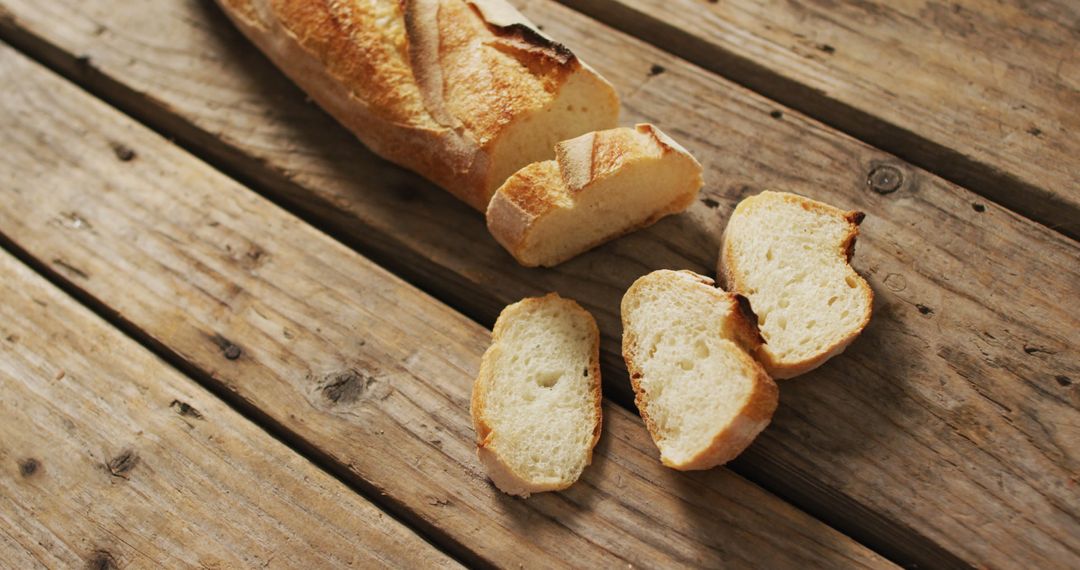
x=885, y=179
x=123, y=152
x=228, y=348
x=28, y=466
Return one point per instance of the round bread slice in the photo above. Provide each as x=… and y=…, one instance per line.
x=790, y=256
x=536, y=402
x=687, y=346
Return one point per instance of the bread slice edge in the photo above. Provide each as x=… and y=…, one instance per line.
x=502, y=475
x=756, y=412
x=727, y=272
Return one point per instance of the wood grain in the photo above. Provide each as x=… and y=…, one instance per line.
x=109, y=458
x=946, y=434
x=983, y=93
x=349, y=361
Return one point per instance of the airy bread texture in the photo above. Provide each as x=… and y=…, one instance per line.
x=536, y=402
x=464, y=92
x=600, y=186
x=790, y=256
x=687, y=346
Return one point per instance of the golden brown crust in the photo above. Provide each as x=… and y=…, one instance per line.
x=594, y=156
x=728, y=271
x=662, y=140
x=534, y=191
x=423, y=39
x=502, y=474
x=756, y=413
x=506, y=22
x=519, y=202
x=368, y=59
x=427, y=84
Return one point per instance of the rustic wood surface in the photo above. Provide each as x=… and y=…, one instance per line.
x=109, y=458
x=349, y=361
x=946, y=434
x=985, y=93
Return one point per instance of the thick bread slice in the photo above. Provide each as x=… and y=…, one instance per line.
x=687, y=347
x=536, y=402
x=464, y=92
x=600, y=186
x=790, y=256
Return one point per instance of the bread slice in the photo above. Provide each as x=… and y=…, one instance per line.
x=687, y=346
x=599, y=186
x=790, y=256
x=464, y=92
x=536, y=402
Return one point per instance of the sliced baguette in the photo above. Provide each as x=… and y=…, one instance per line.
x=536, y=402
x=790, y=256
x=687, y=347
x=464, y=92
x=600, y=186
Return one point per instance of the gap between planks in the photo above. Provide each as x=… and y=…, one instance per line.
x=652, y=514
x=236, y=401
x=1054, y=203
x=121, y=460
x=872, y=530
x=335, y=211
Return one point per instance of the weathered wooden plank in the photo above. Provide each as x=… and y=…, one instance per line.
x=367, y=371
x=938, y=437
x=109, y=458
x=983, y=93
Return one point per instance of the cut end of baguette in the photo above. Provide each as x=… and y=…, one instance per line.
x=586, y=102
x=536, y=404
x=703, y=397
x=790, y=256
x=600, y=186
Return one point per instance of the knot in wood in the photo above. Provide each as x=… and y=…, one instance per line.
x=101, y=560
x=121, y=465
x=885, y=179
x=347, y=386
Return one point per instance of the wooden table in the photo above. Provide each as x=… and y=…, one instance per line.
x=232, y=337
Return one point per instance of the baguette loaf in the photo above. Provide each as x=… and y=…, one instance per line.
x=687, y=347
x=600, y=186
x=464, y=92
x=790, y=256
x=536, y=402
